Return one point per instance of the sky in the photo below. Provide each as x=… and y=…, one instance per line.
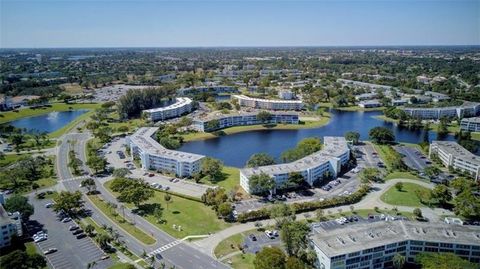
x=151, y=23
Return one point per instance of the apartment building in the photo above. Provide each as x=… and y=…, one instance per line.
x=374, y=244
x=399, y=102
x=268, y=104
x=437, y=97
x=366, y=96
x=286, y=94
x=181, y=106
x=470, y=124
x=369, y=104
x=468, y=109
x=327, y=162
x=212, y=89
x=203, y=124
x=154, y=156
x=10, y=225
x=360, y=84
x=453, y=155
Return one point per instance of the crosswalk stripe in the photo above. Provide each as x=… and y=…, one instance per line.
x=165, y=247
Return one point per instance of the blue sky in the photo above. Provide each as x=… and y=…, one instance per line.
x=128, y=23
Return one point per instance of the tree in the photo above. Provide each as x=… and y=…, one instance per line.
x=69, y=202
x=370, y=175
x=270, y=258
x=398, y=261
x=304, y=148
x=90, y=184
x=137, y=192
x=295, y=179
x=417, y=212
x=295, y=236
x=168, y=199
x=261, y=183
x=442, y=129
x=17, y=140
x=158, y=213
x=89, y=229
x=121, y=172
x=260, y=159
x=211, y=167
x=97, y=163
x=103, y=240
x=264, y=116
x=399, y=186
x=466, y=204
x=213, y=125
x=20, y=204
x=432, y=171
x=294, y=263
x=281, y=213
x=430, y=260
x=442, y=194
x=225, y=210
x=320, y=214
x=352, y=136
x=19, y=259
x=381, y=135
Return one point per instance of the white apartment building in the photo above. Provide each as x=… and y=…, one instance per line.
x=286, y=94
x=366, y=96
x=468, y=109
x=238, y=119
x=10, y=225
x=470, y=124
x=453, y=155
x=182, y=105
x=369, y=104
x=268, y=104
x=361, y=84
x=213, y=89
x=374, y=244
x=328, y=161
x=154, y=156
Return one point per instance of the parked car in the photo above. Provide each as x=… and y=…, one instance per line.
x=48, y=205
x=253, y=237
x=65, y=220
x=79, y=231
x=80, y=236
x=49, y=251
x=73, y=228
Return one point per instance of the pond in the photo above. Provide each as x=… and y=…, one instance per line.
x=48, y=122
x=236, y=149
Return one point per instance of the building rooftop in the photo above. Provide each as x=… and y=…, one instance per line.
x=267, y=100
x=143, y=139
x=352, y=238
x=458, y=151
x=464, y=105
x=472, y=120
x=219, y=115
x=179, y=102
x=333, y=148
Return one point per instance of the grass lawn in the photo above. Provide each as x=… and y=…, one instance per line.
x=405, y=197
x=120, y=221
x=231, y=178
x=194, y=217
x=476, y=136
x=28, y=112
x=407, y=175
x=243, y=261
x=305, y=123
x=71, y=88
x=387, y=154
x=11, y=158
x=225, y=246
x=120, y=265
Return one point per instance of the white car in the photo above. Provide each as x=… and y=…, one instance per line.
x=40, y=239
x=48, y=205
x=66, y=220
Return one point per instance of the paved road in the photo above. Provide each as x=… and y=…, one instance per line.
x=180, y=255
x=72, y=252
x=413, y=158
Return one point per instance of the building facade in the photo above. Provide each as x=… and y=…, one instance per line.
x=154, y=156
x=10, y=225
x=369, y=104
x=326, y=163
x=468, y=109
x=268, y=104
x=182, y=105
x=451, y=154
x=213, y=89
x=240, y=119
x=373, y=245
x=470, y=124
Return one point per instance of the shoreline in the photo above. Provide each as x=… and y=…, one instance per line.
x=433, y=126
x=308, y=124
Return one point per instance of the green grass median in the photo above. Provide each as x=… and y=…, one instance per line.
x=409, y=195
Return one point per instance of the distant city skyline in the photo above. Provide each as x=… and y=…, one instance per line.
x=124, y=23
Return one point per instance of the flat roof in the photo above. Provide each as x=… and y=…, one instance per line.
x=457, y=150
x=143, y=139
x=472, y=120
x=334, y=147
x=267, y=100
x=464, y=105
x=179, y=102
x=352, y=238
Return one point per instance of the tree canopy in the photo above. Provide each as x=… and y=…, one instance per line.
x=260, y=159
x=270, y=258
x=381, y=135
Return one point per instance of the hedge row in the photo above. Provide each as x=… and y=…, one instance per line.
x=264, y=213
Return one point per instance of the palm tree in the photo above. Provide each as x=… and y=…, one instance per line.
x=168, y=199
x=398, y=261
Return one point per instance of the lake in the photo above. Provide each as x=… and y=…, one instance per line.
x=236, y=149
x=48, y=122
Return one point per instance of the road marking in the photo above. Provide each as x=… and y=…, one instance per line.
x=74, y=178
x=165, y=247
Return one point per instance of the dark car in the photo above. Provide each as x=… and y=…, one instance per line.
x=80, y=236
x=253, y=237
x=79, y=231
x=73, y=228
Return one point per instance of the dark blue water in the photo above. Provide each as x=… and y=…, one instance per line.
x=236, y=149
x=47, y=123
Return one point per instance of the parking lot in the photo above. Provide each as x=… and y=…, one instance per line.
x=261, y=240
x=319, y=227
x=71, y=252
x=114, y=92
x=413, y=157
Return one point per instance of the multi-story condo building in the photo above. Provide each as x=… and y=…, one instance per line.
x=468, y=109
x=366, y=96
x=181, y=106
x=286, y=94
x=373, y=245
x=369, y=104
x=361, y=84
x=324, y=163
x=437, y=97
x=470, y=124
x=154, y=156
x=268, y=104
x=453, y=155
x=203, y=124
x=10, y=225
x=213, y=89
